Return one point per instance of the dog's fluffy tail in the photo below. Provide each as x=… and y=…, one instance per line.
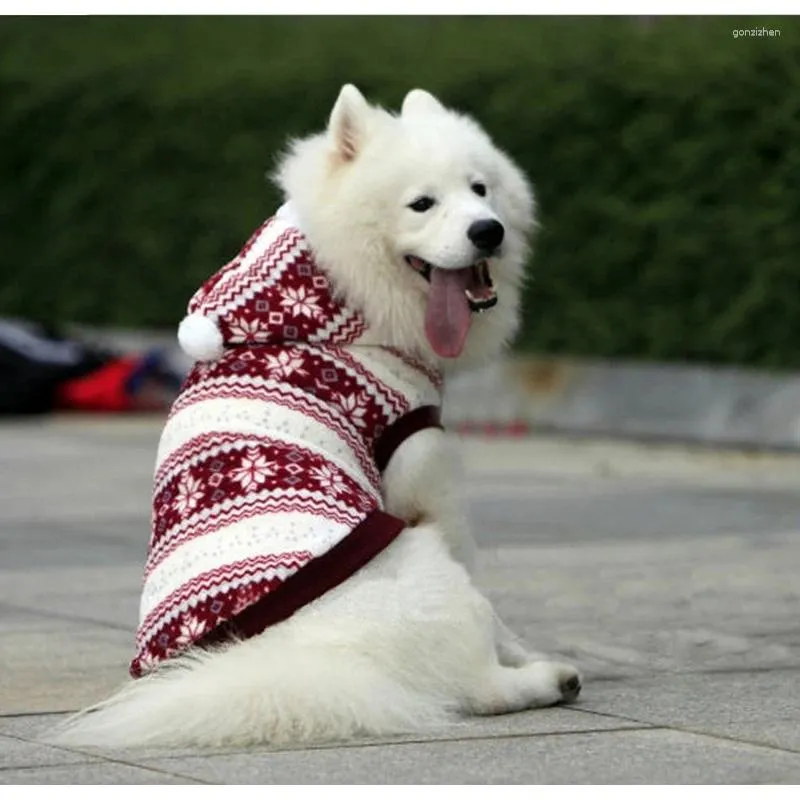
x=248, y=695
x=395, y=649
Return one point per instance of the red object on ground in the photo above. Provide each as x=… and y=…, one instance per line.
x=107, y=389
x=493, y=429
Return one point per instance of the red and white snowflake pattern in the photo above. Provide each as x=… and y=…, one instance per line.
x=291, y=354
x=283, y=364
x=191, y=630
x=355, y=407
x=253, y=470
x=245, y=330
x=301, y=303
x=329, y=479
x=189, y=494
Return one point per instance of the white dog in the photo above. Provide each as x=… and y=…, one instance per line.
x=417, y=223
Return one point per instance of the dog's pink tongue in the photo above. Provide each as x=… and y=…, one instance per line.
x=448, y=317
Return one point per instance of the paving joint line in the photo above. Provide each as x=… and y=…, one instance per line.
x=20, y=714
x=93, y=757
x=693, y=731
x=354, y=744
x=349, y=745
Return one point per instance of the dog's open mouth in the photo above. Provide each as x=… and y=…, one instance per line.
x=479, y=288
x=454, y=295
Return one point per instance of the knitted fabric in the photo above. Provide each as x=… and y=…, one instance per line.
x=266, y=490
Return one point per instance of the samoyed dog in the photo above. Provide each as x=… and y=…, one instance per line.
x=400, y=254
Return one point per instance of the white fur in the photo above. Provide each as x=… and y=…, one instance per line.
x=354, y=212
x=408, y=641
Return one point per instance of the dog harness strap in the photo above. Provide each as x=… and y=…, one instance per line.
x=407, y=425
x=374, y=533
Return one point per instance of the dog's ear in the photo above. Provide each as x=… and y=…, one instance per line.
x=348, y=121
x=418, y=101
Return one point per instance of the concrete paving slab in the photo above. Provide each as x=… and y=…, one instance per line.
x=783, y=734
x=668, y=575
x=618, y=512
x=27, y=726
x=18, y=754
x=55, y=550
x=761, y=707
x=103, y=595
x=90, y=773
x=629, y=757
x=30, y=727
x=722, y=602
x=58, y=664
x=584, y=459
x=60, y=469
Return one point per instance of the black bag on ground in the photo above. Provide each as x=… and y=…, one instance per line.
x=35, y=360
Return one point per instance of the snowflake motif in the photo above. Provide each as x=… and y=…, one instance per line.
x=328, y=479
x=355, y=408
x=191, y=631
x=254, y=470
x=190, y=492
x=283, y=365
x=243, y=330
x=301, y=303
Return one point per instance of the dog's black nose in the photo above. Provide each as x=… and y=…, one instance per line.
x=486, y=234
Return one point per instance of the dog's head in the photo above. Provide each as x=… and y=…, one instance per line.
x=420, y=220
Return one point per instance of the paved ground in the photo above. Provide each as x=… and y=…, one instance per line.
x=670, y=577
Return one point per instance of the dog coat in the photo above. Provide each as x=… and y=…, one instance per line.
x=267, y=483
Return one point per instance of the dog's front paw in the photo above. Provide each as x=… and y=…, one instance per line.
x=570, y=684
x=557, y=682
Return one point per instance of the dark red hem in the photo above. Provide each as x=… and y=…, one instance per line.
x=372, y=535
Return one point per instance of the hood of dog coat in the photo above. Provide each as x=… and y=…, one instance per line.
x=271, y=293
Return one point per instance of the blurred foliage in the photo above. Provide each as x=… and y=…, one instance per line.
x=665, y=154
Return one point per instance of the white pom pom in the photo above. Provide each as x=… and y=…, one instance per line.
x=200, y=338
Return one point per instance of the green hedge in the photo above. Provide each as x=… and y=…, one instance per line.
x=666, y=157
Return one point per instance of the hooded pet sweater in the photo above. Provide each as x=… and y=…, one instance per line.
x=267, y=484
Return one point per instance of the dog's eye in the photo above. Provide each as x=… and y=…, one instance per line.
x=422, y=204
x=479, y=188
